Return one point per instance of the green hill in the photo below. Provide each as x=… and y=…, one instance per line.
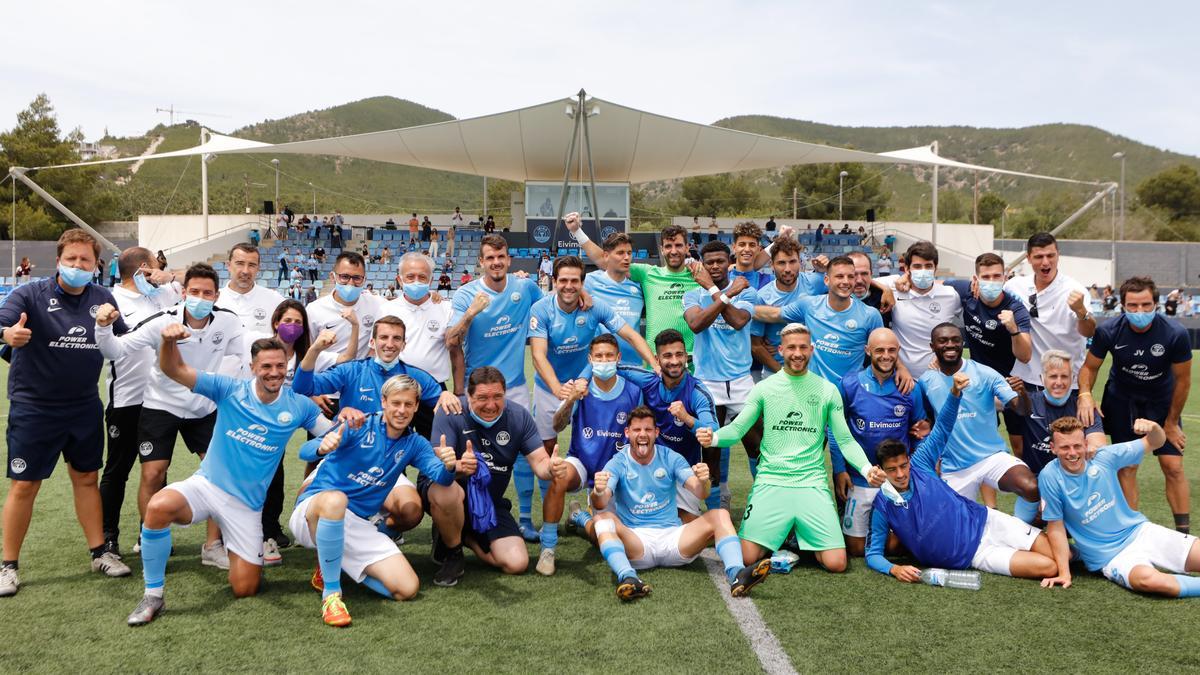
x=1068, y=150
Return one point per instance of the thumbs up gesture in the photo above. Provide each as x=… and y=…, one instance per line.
x=468, y=464
x=332, y=440
x=558, y=465
x=106, y=314
x=17, y=335
x=446, y=454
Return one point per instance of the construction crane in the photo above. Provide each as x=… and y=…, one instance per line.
x=171, y=111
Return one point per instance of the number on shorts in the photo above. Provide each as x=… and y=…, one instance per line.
x=749, y=508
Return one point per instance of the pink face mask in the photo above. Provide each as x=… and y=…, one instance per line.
x=290, y=332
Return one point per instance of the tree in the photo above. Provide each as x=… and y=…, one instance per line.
x=717, y=195
x=950, y=207
x=37, y=141
x=499, y=199
x=817, y=189
x=991, y=208
x=1175, y=190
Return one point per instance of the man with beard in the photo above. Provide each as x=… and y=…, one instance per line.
x=865, y=289
x=788, y=285
x=723, y=326
x=791, y=492
x=254, y=421
x=876, y=411
x=976, y=454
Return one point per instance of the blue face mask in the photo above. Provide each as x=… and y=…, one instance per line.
x=348, y=292
x=73, y=276
x=479, y=420
x=604, y=370
x=922, y=279
x=144, y=286
x=416, y=290
x=1140, y=319
x=387, y=365
x=1055, y=401
x=198, y=307
x=990, y=290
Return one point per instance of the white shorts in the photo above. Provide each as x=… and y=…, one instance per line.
x=363, y=544
x=1152, y=545
x=988, y=470
x=545, y=405
x=660, y=548
x=731, y=394
x=686, y=500
x=518, y=395
x=1003, y=536
x=856, y=519
x=241, y=526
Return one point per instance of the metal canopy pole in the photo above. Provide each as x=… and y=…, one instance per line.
x=18, y=173
x=562, y=200
x=1109, y=189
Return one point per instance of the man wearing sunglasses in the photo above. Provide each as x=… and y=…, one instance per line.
x=1060, y=318
x=349, y=275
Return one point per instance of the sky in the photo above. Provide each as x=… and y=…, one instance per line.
x=1129, y=68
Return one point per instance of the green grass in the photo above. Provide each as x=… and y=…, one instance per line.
x=68, y=619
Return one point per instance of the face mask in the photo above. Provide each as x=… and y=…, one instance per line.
x=74, y=277
x=922, y=279
x=416, y=290
x=1140, y=319
x=144, y=286
x=1055, y=401
x=290, y=332
x=348, y=292
x=481, y=422
x=198, y=307
x=387, y=365
x=990, y=290
x=604, y=370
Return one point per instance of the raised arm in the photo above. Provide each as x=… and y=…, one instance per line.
x=593, y=251
x=351, y=351
x=171, y=361
x=469, y=310
x=733, y=432
x=929, y=451
x=114, y=347
x=630, y=335
x=1085, y=323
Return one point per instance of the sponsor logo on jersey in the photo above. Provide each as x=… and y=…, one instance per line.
x=375, y=471
x=17, y=465
x=258, y=428
x=533, y=322
x=76, y=331
x=503, y=438
x=860, y=423
x=53, y=306
x=588, y=432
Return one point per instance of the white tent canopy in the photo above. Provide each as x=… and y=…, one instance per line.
x=529, y=144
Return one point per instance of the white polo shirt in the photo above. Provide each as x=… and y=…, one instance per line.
x=325, y=313
x=129, y=375
x=424, y=334
x=914, y=318
x=1053, y=328
x=254, y=309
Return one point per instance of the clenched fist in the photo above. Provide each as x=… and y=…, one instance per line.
x=174, y=332
x=701, y=471
x=704, y=436
x=961, y=382
x=325, y=340
x=1006, y=318
x=106, y=314
x=600, y=482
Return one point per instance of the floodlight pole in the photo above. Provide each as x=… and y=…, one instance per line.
x=204, y=181
x=933, y=201
x=587, y=146
x=18, y=173
x=562, y=199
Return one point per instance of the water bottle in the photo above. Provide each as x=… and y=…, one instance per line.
x=968, y=579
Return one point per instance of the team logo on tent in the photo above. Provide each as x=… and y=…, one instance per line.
x=541, y=234
x=607, y=231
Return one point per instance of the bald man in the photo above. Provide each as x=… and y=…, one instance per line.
x=875, y=411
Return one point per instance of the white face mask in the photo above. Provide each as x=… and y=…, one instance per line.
x=922, y=279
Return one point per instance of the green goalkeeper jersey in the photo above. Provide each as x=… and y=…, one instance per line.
x=663, y=292
x=795, y=411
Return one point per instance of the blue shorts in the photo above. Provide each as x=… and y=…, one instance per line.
x=37, y=435
x=1120, y=412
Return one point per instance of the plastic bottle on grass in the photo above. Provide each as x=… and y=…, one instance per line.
x=936, y=576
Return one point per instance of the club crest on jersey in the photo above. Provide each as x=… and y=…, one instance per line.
x=1158, y=350
x=145, y=448
x=851, y=325
x=93, y=310
x=660, y=473
x=533, y=323
x=587, y=432
x=813, y=401
x=991, y=324
x=260, y=313
x=515, y=297
x=284, y=417
x=898, y=411
x=1093, y=472
x=368, y=321
x=398, y=456
x=17, y=465
x=580, y=320
x=218, y=338
x=503, y=438
x=621, y=417
x=113, y=431
x=433, y=325
x=935, y=307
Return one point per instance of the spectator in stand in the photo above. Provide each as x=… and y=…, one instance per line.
x=1171, y=306
x=451, y=234
x=390, y=293
x=770, y=226
x=370, y=289
x=433, y=244
x=884, y=265
x=890, y=242
x=828, y=229
x=1110, y=299
x=311, y=265
x=845, y=229
x=297, y=275
x=319, y=254
x=389, y=224
x=413, y=226
x=114, y=277
x=304, y=219
x=24, y=270
x=412, y=245
x=426, y=229
x=335, y=236
x=283, y=267
x=337, y=219
x=456, y=220
x=713, y=229
x=444, y=281
x=465, y=278
x=489, y=226
x=255, y=237
x=696, y=236
x=545, y=269
x=295, y=292
x=386, y=256
x=310, y=295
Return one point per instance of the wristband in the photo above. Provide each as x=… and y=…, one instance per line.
x=724, y=298
x=713, y=291
x=580, y=236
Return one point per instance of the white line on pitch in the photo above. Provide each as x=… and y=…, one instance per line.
x=763, y=642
